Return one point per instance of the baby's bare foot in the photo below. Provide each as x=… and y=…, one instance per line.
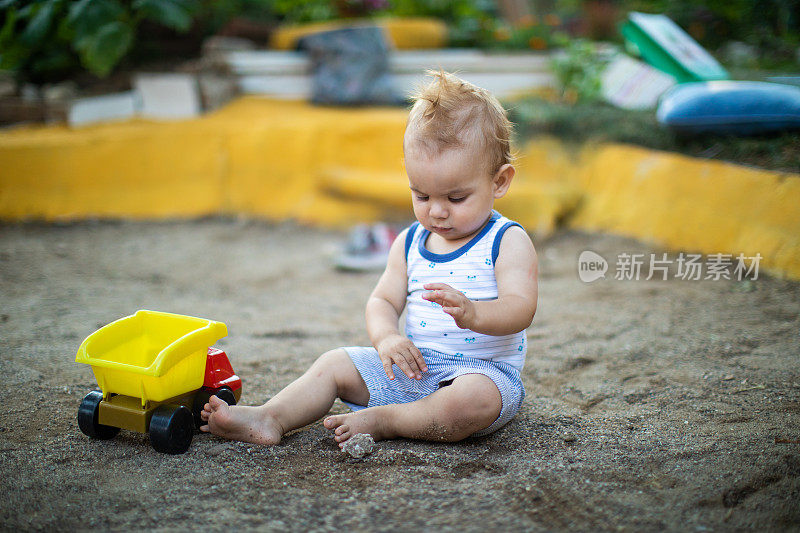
x=369, y=421
x=235, y=422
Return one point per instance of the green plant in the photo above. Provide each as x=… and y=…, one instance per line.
x=578, y=69
x=600, y=122
x=771, y=25
x=302, y=11
x=470, y=22
x=531, y=33
x=41, y=38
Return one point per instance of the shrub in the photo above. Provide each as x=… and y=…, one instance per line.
x=578, y=69
x=42, y=40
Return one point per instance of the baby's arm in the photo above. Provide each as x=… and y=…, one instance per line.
x=516, y=271
x=383, y=311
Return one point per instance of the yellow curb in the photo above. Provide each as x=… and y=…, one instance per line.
x=136, y=169
x=691, y=204
x=256, y=156
x=277, y=154
x=403, y=33
x=334, y=167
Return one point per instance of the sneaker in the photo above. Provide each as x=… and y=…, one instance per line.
x=367, y=248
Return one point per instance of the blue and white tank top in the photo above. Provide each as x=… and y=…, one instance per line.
x=470, y=269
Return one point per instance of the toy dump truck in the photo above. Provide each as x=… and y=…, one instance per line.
x=156, y=371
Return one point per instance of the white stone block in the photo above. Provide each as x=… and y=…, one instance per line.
x=168, y=96
x=106, y=108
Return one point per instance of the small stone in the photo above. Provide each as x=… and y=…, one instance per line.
x=359, y=445
x=568, y=436
x=218, y=449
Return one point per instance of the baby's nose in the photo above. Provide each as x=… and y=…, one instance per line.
x=438, y=210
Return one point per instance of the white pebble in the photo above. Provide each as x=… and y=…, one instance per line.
x=359, y=445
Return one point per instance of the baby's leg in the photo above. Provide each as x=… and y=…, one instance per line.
x=471, y=403
x=303, y=401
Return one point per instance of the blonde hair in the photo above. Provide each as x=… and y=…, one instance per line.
x=452, y=113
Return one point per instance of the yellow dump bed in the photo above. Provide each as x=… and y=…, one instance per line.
x=151, y=355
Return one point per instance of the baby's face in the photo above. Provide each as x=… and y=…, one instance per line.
x=452, y=192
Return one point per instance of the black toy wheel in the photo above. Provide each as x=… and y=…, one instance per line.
x=201, y=398
x=171, y=429
x=87, y=418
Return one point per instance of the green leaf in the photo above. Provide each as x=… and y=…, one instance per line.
x=93, y=12
x=27, y=11
x=12, y=57
x=171, y=13
x=7, y=32
x=37, y=28
x=103, y=50
x=77, y=10
x=86, y=17
x=65, y=33
x=12, y=53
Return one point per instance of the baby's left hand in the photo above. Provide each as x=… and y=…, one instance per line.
x=453, y=302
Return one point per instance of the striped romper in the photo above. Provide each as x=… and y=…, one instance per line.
x=448, y=350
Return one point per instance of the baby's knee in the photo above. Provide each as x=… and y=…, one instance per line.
x=476, y=401
x=337, y=365
x=330, y=360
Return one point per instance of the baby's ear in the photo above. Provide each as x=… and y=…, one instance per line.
x=502, y=180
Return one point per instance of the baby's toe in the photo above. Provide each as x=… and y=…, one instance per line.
x=342, y=435
x=332, y=422
x=215, y=402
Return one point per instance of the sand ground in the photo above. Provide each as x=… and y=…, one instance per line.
x=652, y=405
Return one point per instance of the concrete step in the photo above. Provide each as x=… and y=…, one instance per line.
x=298, y=87
x=283, y=74
x=261, y=62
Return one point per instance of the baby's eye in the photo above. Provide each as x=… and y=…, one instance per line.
x=457, y=200
x=422, y=198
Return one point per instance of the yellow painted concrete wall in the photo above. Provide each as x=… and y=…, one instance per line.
x=403, y=33
x=334, y=167
x=134, y=169
x=691, y=204
x=256, y=156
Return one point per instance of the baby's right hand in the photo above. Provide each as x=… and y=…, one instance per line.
x=401, y=351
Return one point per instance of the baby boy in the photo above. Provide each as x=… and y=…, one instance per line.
x=467, y=277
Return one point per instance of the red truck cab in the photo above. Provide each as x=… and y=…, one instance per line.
x=219, y=372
